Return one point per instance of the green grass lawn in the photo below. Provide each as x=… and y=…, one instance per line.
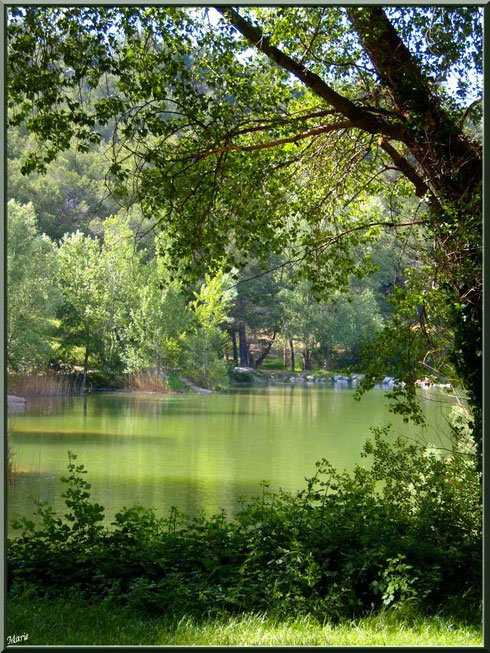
x=73, y=622
x=273, y=363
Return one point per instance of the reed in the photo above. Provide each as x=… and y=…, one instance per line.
x=43, y=385
x=147, y=381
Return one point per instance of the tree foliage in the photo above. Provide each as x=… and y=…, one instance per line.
x=344, y=320
x=360, y=101
x=210, y=308
x=159, y=322
x=31, y=293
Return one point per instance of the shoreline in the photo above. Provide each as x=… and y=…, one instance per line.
x=255, y=378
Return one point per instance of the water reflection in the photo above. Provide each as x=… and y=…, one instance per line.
x=199, y=453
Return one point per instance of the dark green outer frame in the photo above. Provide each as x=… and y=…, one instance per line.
x=3, y=270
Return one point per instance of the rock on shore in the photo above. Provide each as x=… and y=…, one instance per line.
x=16, y=404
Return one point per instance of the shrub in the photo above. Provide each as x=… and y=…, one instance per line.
x=406, y=532
x=215, y=376
x=175, y=383
x=99, y=379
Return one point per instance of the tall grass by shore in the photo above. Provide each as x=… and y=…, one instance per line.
x=147, y=381
x=52, y=384
x=44, y=385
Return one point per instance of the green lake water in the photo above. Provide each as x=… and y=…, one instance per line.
x=196, y=452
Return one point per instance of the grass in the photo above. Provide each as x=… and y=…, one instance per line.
x=276, y=364
x=42, y=385
x=74, y=622
x=147, y=382
x=151, y=382
x=273, y=363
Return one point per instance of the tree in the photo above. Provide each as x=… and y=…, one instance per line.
x=32, y=294
x=343, y=320
x=300, y=313
x=100, y=282
x=155, y=337
x=121, y=270
x=71, y=195
x=210, y=307
x=437, y=157
x=347, y=321
x=256, y=307
x=357, y=99
x=82, y=282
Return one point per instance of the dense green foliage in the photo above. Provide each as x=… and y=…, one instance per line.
x=397, y=535
x=71, y=195
x=106, y=302
x=360, y=103
x=344, y=320
x=31, y=292
x=175, y=156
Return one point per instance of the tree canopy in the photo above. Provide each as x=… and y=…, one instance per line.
x=251, y=131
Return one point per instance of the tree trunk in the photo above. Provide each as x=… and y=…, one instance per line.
x=434, y=138
x=235, y=350
x=265, y=352
x=326, y=357
x=291, y=351
x=242, y=343
x=306, y=353
x=85, y=368
x=284, y=355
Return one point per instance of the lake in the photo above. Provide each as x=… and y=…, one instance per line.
x=197, y=452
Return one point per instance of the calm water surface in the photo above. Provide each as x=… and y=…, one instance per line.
x=196, y=452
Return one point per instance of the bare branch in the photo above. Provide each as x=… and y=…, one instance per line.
x=468, y=109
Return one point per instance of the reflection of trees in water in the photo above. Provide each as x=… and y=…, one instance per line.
x=194, y=452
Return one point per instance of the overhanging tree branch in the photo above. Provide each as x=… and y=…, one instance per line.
x=405, y=167
x=434, y=138
x=331, y=240
x=316, y=131
x=360, y=118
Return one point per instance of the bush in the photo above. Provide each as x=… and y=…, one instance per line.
x=216, y=370
x=174, y=382
x=406, y=533
x=101, y=379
